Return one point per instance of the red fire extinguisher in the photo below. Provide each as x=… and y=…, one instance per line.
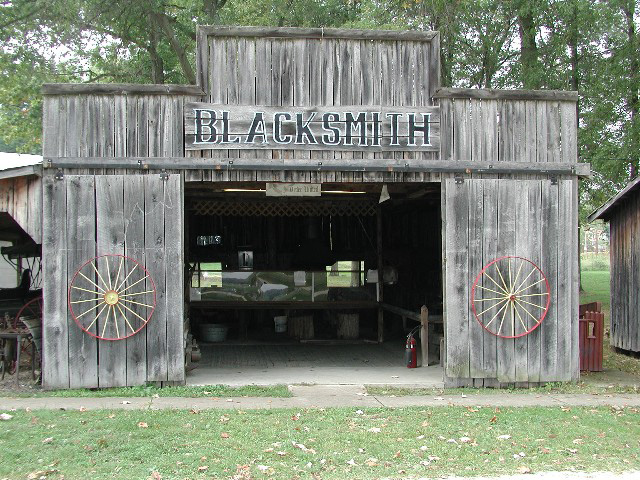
x=411, y=350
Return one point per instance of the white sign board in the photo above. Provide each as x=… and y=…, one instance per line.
x=281, y=189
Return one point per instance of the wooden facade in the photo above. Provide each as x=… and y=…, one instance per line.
x=623, y=214
x=116, y=169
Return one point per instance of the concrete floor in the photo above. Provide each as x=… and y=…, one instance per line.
x=290, y=364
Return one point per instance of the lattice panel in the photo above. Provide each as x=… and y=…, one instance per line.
x=281, y=209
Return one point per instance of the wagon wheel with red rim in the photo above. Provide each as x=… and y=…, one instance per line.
x=29, y=317
x=112, y=297
x=510, y=297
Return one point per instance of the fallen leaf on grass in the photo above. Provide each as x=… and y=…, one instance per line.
x=352, y=462
x=143, y=425
x=374, y=430
x=398, y=454
x=504, y=437
x=83, y=409
x=5, y=416
x=303, y=448
x=194, y=411
x=203, y=468
x=522, y=469
x=224, y=435
x=47, y=440
x=155, y=476
x=494, y=419
x=465, y=440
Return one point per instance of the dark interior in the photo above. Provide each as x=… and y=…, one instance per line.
x=252, y=258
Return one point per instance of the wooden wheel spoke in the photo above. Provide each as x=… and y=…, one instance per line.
x=84, y=289
x=526, y=311
x=106, y=321
x=100, y=276
x=125, y=317
x=519, y=317
x=106, y=259
x=496, y=283
x=529, y=286
x=533, y=295
x=493, y=306
x=489, y=299
x=515, y=280
x=526, y=278
x=87, y=311
x=504, y=313
x=141, y=318
x=115, y=282
x=134, y=284
x=506, y=289
x=490, y=290
x=137, y=303
x=98, y=315
x=494, y=317
x=126, y=278
x=115, y=321
x=84, y=301
x=91, y=282
x=137, y=293
x=533, y=304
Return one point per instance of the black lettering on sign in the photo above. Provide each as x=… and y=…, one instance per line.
x=311, y=128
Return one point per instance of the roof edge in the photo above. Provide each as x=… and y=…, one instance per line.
x=605, y=210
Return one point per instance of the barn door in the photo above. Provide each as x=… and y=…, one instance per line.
x=120, y=233
x=535, y=220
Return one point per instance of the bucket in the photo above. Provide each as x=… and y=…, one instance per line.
x=34, y=324
x=280, y=323
x=213, y=332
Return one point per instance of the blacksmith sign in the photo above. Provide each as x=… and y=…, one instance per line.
x=209, y=126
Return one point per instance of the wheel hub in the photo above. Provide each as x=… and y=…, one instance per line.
x=111, y=297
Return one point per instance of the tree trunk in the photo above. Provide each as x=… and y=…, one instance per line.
x=528, y=49
x=157, y=65
x=163, y=21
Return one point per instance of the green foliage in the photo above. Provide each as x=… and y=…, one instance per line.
x=585, y=45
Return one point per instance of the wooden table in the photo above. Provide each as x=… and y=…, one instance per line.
x=18, y=337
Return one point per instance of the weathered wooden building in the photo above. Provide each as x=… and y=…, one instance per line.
x=622, y=211
x=169, y=208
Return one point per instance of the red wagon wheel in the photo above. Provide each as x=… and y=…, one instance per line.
x=510, y=297
x=112, y=297
x=32, y=310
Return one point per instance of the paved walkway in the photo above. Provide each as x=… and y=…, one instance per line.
x=324, y=396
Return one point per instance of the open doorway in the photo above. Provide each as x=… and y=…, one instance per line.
x=294, y=284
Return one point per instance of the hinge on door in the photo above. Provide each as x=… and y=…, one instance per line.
x=164, y=176
x=458, y=178
x=554, y=179
x=59, y=174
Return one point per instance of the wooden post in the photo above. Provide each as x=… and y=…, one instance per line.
x=424, y=335
x=379, y=284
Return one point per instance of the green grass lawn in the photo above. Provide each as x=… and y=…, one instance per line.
x=317, y=443
x=149, y=391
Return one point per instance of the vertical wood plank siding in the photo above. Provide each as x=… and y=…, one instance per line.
x=484, y=216
x=116, y=213
x=624, y=225
x=502, y=207
x=21, y=197
x=137, y=215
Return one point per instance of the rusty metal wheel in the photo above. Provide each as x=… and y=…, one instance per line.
x=510, y=297
x=112, y=297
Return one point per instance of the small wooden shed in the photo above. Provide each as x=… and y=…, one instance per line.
x=622, y=211
x=235, y=197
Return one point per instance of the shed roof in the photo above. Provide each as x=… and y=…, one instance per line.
x=610, y=206
x=18, y=164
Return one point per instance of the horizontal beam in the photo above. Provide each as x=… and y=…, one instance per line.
x=491, y=94
x=351, y=165
x=21, y=171
x=119, y=89
x=292, y=32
